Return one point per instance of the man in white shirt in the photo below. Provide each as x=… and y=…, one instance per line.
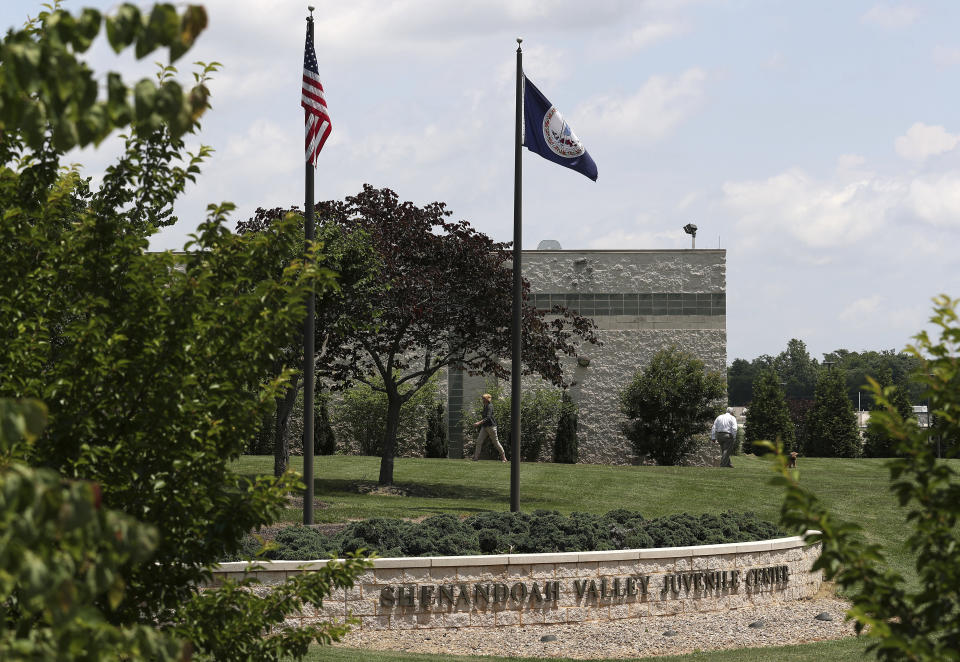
x=725, y=431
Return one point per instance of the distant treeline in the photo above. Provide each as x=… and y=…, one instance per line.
x=798, y=373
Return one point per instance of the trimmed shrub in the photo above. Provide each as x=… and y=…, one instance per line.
x=738, y=442
x=436, y=440
x=299, y=542
x=832, y=423
x=668, y=402
x=768, y=417
x=565, y=447
x=441, y=535
x=382, y=535
x=492, y=541
x=324, y=441
x=324, y=438
x=542, y=531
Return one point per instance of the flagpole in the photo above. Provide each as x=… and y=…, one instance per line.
x=308, y=337
x=515, y=360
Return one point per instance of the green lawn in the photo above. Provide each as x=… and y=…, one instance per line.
x=856, y=490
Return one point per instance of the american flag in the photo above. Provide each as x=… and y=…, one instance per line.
x=317, y=120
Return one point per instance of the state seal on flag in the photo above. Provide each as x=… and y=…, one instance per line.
x=559, y=137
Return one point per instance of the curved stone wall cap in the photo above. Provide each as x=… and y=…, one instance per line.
x=609, y=555
x=402, y=562
x=713, y=550
x=666, y=552
x=554, y=557
x=473, y=560
x=531, y=559
x=270, y=566
x=761, y=546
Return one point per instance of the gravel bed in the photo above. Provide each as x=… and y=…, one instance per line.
x=747, y=627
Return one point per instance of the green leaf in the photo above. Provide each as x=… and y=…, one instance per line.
x=87, y=28
x=123, y=27
x=144, y=95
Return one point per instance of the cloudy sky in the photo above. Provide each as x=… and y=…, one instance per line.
x=816, y=141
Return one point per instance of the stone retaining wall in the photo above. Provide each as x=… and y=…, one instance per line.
x=517, y=589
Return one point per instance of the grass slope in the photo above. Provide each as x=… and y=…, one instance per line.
x=855, y=490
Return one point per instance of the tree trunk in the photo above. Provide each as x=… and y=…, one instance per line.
x=389, y=446
x=281, y=446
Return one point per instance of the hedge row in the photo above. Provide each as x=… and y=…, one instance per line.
x=517, y=533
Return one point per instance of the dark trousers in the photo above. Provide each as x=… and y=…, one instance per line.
x=725, y=439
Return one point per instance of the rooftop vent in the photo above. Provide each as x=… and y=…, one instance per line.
x=549, y=245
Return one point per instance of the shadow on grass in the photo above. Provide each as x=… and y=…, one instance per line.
x=334, y=486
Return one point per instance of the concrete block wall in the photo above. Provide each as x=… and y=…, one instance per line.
x=516, y=589
x=642, y=302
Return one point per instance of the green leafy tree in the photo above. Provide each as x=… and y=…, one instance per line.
x=443, y=301
x=51, y=99
x=436, y=437
x=768, y=417
x=62, y=553
x=668, y=402
x=740, y=377
x=350, y=256
x=361, y=413
x=157, y=369
x=832, y=425
x=858, y=366
x=89, y=316
x=878, y=440
x=902, y=619
x=797, y=369
x=565, y=448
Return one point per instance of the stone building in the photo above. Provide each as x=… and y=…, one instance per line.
x=642, y=301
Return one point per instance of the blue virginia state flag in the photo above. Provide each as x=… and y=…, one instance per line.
x=548, y=134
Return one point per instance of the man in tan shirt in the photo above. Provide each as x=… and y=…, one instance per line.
x=488, y=428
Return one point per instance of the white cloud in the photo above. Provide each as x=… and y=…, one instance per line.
x=890, y=16
x=249, y=78
x=775, y=61
x=862, y=307
x=850, y=163
x=432, y=144
x=651, y=113
x=264, y=147
x=619, y=238
x=426, y=26
x=544, y=66
x=688, y=200
x=651, y=33
x=909, y=318
x=946, y=56
x=816, y=218
x=936, y=199
x=923, y=141
x=811, y=213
